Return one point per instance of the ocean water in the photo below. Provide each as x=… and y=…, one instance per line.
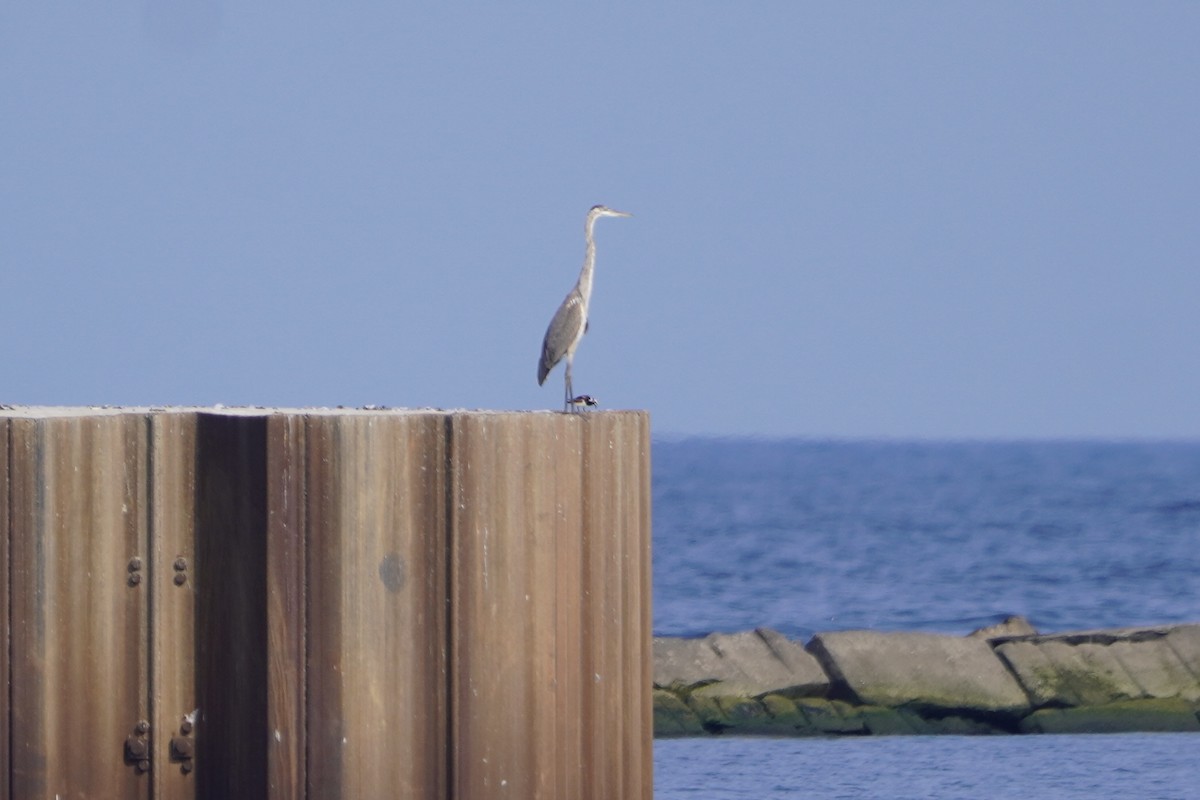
x=1150, y=766
x=807, y=536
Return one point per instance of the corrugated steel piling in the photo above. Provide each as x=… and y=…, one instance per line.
x=78, y=564
x=323, y=604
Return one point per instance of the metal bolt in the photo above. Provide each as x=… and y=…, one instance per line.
x=144, y=765
x=186, y=727
x=180, y=579
x=142, y=727
x=137, y=748
x=180, y=564
x=135, y=564
x=185, y=767
x=135, y=578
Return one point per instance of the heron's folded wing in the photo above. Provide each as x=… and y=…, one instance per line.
x=564, y=331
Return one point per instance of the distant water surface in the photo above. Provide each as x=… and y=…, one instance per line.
x=1095, y=767
x=808, y=536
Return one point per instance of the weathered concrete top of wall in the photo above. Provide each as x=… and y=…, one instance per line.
x=256, y=411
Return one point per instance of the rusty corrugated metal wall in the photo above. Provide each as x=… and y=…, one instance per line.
x=79, y=646
x=359, y=604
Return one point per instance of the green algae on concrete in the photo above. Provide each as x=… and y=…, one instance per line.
x=774, y=715
x=837, y=717
x=672, y=717
x=826, y=717
x=785, y=717
x=954, y=724
x=742, y=713
x=820, y=717
x=708, y=711
x=1173, y=715
x=880, y=721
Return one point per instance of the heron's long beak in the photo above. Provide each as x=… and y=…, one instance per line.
x=616, y=213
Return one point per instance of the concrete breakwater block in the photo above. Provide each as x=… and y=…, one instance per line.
x=1004, y=680
x=1015, y=625
x=748, y=664
x=1098, y=668
x=919, y=670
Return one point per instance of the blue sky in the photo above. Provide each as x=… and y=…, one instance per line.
x=869, y=219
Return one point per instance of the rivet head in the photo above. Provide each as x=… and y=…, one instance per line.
x=142, y=727
x=135, y=578
x=144, y=765
x=185, y=767
x=135, y=564
x=180, y=564
x=186, y=727
x=180, y=579
x=181, y=747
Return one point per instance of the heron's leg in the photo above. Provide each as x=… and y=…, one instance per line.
x=569, y=394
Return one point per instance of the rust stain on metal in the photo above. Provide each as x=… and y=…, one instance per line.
x=79, y=636
x=173, y=466
x=287, y=614
x=546, y=572
x=377, y=657
x=5, y=616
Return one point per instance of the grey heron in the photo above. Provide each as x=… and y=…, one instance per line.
x=571, y=320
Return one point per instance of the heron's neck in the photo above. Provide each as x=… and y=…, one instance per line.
x=589, y=264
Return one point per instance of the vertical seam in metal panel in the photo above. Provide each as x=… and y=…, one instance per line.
x=38, y=530
x=197, y=485
x=7, y=544
x=587, y=652
x=305, y=537
x=151, y=574
x=302, y=548
x=448, y=601
x=646, y=522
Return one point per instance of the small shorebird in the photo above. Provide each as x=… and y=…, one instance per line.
x=584, y=401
